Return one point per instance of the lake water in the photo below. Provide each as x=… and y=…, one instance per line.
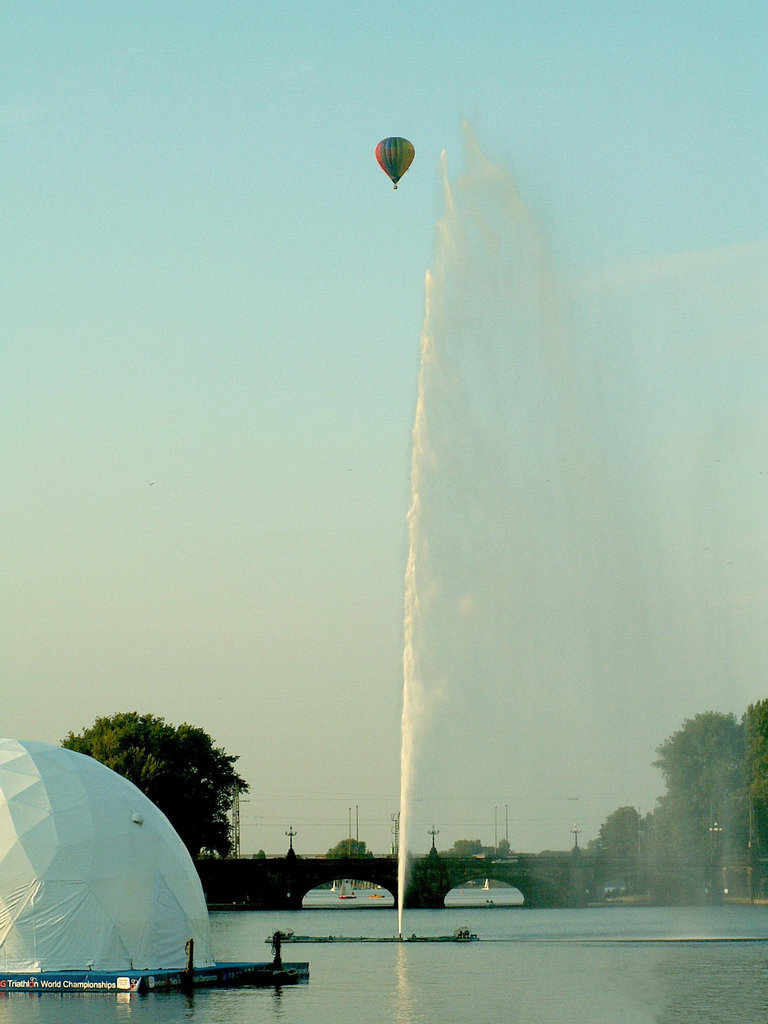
x=603, y=966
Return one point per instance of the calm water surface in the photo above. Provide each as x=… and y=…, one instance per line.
x=618, y=965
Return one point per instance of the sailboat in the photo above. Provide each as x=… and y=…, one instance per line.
x=347, y=891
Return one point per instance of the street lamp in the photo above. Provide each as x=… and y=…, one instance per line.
x=715, y=884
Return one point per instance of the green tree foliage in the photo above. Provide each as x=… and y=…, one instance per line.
x=349, y=848
x=703, y=767
x=469, y=848
x=618, y=846
x=179, y=769
x=475, y=848
x=756, y=726
x=619, y=834
x=703, y=764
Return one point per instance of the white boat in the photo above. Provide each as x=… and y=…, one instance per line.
x=347, y=891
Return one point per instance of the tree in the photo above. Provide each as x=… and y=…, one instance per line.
x=469, y=848
x=704, y=768
x=756, y=727
x=618, y=846
x=349, y=848
x=180, y=770
x=619, y=834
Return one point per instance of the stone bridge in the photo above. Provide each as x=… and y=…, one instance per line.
x=280, y=883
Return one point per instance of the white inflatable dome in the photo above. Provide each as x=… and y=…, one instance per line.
x=92, y=875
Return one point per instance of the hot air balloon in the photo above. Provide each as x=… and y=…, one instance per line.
x=395, y=156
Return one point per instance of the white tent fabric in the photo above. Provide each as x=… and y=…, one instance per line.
x=92, y=874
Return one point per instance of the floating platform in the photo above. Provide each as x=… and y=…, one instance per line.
x=460, y=935
x=225, y=975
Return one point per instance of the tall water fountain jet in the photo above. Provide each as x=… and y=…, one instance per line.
x=489, y=318
x=586, y=559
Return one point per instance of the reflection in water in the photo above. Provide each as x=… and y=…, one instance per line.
x=278, y=1006
x=404, y=1009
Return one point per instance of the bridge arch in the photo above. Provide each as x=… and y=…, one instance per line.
x=280, y=883
x=482, y=892
x=544, y=882
x=349, y=893
x=313, y=872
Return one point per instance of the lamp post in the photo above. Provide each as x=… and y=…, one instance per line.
x=433, y=832
x=715, y=880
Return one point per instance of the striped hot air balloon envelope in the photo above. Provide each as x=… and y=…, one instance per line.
x=395, y=156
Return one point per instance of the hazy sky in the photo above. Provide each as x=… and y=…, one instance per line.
x=210, y=308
